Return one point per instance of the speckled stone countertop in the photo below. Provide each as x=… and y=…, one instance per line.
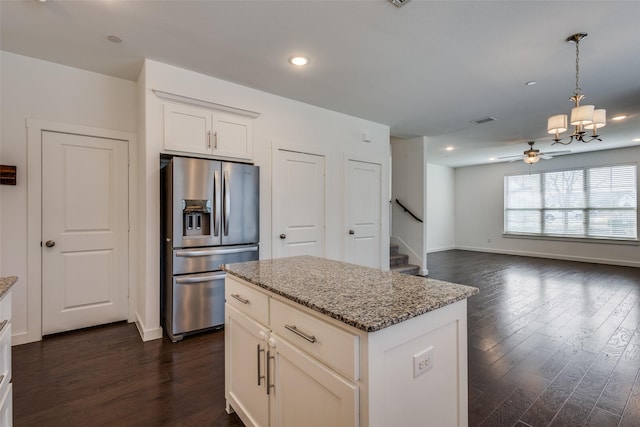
x=6, y=283
x=366, y=298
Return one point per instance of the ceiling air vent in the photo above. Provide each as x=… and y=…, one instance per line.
x=399, y=3
x=483, y=120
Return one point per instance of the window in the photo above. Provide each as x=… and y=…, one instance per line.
x=594, y=202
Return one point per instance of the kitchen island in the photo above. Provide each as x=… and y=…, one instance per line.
x=317, y=342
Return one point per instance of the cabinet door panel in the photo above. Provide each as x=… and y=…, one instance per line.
x=245, y=342
x=232, y=136
x=187, y=129
x=309, y=394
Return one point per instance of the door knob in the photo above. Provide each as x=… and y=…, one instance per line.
x=352, y=232
x=50, y=243
x=283, y=236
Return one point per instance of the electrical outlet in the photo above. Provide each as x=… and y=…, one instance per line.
x=422, y=361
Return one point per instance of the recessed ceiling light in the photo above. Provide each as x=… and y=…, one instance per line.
x=114, y=39
x=531, y=83
x=299, y=60
x=636, y=139
x=620, y=117
x=492, y=158
x=449, y=148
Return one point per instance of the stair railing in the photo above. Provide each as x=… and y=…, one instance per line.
x=408, y=211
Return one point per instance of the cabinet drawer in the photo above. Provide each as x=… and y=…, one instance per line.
x=249, y=301
x=329, y=344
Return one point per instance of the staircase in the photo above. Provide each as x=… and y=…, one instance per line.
x=400, y=262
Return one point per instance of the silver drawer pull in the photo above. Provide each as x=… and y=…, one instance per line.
x=3, y=324
x=298, y=332
x=260, y=376
x=239, y=298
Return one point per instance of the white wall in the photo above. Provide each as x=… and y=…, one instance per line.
x=283, y=123
x=440, y=208
x=408, y=185
x=36, y=89
x=479, y=211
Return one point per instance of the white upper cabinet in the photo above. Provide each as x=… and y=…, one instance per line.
x=201, y=127
x=187, y=129
x=232, y=136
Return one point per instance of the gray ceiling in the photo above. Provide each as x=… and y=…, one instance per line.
x=428, y=68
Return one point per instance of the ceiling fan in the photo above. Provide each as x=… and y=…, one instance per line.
x=532, y=155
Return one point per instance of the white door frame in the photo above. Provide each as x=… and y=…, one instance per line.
x=34, y=217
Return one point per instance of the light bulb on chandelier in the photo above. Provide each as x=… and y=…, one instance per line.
x=583, y=117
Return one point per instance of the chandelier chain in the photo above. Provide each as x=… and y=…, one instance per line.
x=578, y=88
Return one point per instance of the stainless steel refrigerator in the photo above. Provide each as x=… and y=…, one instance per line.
x=209, y=216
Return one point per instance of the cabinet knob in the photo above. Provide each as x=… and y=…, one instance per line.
x=283, y=236
x=50, y=243
x=352, y=232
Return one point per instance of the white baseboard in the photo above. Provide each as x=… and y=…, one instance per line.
x=553, y=256
x=147, y=334
x=442, y=248
x=24, y=338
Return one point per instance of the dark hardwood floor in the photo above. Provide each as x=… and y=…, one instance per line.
x=105, y=376
x=550, y=343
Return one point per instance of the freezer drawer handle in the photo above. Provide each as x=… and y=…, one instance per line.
x=239, y=298
x=208, y=252
x=187, y=280
x=298, y=332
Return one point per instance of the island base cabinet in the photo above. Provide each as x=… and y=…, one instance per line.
x=245, y=370
x=307, y=393
x=401, y=394
x=410, y=374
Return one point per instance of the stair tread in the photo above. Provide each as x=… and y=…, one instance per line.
x=406, y=268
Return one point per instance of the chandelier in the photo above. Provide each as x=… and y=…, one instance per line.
x=583, y=117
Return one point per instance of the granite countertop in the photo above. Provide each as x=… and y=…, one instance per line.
x=6, y=283
x=366, y=298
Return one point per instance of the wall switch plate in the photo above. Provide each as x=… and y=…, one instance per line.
x=422, y=361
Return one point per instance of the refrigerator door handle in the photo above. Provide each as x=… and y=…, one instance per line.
x=216, y=219
x=189, y=280
x=216, y=251
x=227, y=202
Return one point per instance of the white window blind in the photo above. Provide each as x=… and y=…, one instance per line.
x=595, y=202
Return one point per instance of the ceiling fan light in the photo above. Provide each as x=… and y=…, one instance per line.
x=582, y=115
x=599, y=119
x=531, y=159
x=557, y=123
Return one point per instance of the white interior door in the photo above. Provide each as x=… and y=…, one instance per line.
x=298, y=204
x=84, y=231
x=362, y=213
